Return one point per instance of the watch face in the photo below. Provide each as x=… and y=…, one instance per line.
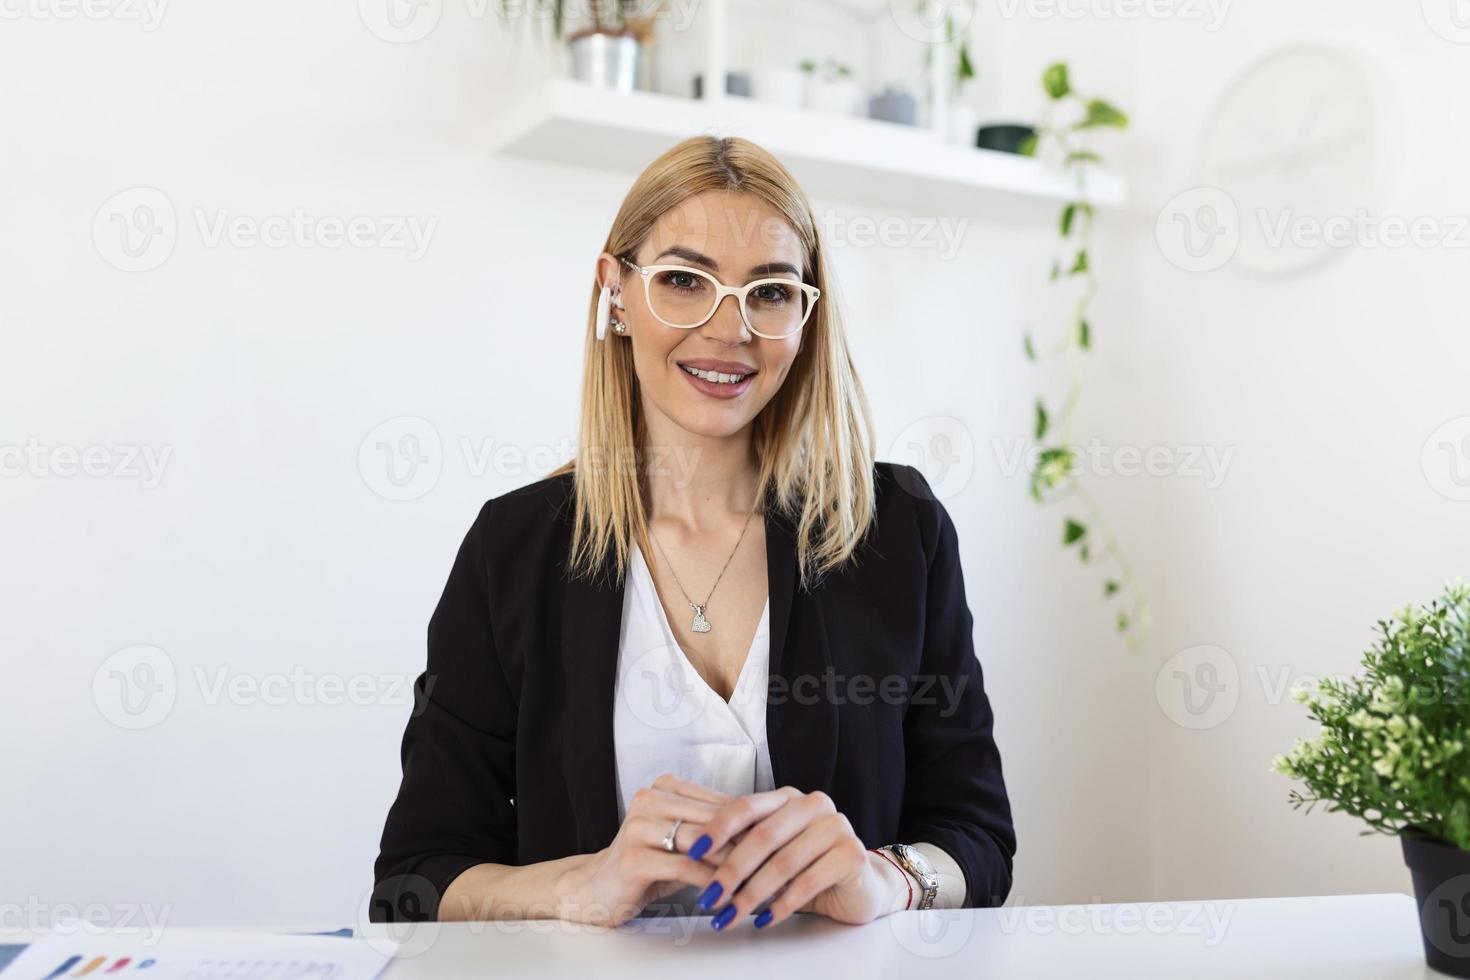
x=918, y=863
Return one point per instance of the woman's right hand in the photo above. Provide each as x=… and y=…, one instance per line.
x=613, y=885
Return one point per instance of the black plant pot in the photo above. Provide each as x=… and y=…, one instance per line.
x=1005, y=137
x=1441, y=874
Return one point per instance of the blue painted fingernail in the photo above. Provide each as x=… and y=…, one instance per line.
x=700, y=847
x=726, y=916
x=710, y=896
x=764, y=919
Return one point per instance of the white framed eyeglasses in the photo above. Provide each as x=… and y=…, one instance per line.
x=685, y=298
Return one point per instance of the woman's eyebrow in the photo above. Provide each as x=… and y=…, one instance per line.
x=771, y=268
x=698, y=258
x=689, y=255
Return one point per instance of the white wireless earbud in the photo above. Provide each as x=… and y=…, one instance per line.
x=604, y=301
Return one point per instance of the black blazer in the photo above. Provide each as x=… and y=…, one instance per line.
x=876, y=698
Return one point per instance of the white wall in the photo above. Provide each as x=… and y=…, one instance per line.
x=267, y=547
x=1328, y=385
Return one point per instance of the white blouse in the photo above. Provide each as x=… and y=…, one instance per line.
x=667, y=719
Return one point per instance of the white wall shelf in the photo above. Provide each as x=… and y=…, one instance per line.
x=837, y=158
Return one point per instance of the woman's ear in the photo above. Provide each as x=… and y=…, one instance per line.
x=603, y=273
x=609, y=275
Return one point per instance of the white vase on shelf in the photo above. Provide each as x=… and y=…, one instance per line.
x=838, y=95
x=779, y=86
x=960, y=124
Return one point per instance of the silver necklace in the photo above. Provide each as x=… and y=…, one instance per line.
x=701, y=624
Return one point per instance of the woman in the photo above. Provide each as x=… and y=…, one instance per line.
x=641, y=698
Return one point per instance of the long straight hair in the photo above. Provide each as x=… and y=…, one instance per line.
x=814, y=439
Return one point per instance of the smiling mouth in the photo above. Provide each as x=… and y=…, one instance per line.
x=716, y=377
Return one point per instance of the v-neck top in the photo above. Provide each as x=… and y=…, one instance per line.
x=667, y=719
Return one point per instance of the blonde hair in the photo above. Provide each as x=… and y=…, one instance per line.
x=814, y=439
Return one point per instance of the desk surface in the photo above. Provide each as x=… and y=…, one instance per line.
x=1349, y=937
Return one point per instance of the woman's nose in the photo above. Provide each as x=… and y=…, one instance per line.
x=726, y=324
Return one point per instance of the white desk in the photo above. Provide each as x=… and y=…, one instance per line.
x=1352, y=937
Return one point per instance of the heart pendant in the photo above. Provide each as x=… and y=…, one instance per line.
x=701, y=625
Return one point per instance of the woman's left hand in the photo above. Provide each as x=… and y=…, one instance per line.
x=804, y=853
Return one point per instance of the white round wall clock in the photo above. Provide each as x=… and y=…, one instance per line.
x=1295, y=141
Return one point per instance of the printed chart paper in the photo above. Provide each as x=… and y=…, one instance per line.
x=194, y=954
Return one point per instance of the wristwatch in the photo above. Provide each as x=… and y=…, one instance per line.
x=913, y=861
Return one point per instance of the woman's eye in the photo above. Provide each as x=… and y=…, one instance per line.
x=772, y=293
x=681, y=280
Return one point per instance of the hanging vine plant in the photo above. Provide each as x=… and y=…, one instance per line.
x=1056, y=479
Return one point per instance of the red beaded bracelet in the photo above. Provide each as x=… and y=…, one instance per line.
x=906, y=880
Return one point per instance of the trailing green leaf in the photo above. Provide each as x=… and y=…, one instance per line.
x=1056, y=467
x=1055, y=80
x=1053, y=468
x=1100, y=113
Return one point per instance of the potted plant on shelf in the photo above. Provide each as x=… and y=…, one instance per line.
x=894, y=104
x=606, y=52
x=1394, y=751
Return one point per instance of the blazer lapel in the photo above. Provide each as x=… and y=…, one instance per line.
x=801, y=719
x=591, y=620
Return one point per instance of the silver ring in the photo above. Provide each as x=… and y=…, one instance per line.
x=669, y=837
